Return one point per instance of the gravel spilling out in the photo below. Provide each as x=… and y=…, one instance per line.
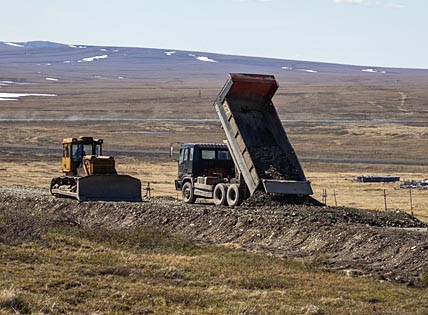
x=272, y=163
x=260, y=198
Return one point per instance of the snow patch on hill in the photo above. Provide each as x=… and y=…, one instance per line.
x=7, y=83
x=307, y=70
x=371, y=70
x=15, y=96
x=204, y=58
x=89, y=59
x=13, y=44
x=74, y=46
x=301, y=70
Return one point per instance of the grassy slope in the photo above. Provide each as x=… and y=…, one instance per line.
x=71, y=270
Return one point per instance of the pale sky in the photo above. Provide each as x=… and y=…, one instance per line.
x=360, y=32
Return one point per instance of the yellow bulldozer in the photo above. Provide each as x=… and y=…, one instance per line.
x=90, y=176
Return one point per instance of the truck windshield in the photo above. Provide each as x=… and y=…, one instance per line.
x=183, y=155
x=208, y=154
x=223, y=155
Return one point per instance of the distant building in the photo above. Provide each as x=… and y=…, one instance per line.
x=377, y=179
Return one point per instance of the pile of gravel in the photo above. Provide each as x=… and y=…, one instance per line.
x=262, y=199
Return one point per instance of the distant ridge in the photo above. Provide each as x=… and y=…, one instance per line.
x=72, y=61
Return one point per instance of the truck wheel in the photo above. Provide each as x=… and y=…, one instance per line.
x=234, y=196
x=219, y=194
x=187, y=193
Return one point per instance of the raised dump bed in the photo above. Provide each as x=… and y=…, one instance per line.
x=256, y=138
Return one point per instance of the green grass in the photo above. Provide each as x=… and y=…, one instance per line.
x=70, y=270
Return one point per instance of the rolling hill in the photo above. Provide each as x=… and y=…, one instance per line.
x=44, y=59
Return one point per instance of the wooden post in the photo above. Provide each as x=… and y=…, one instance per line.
x=384, y=199
x=324, y=196
x=148, y=190
x=411, y=201
x=335, y=200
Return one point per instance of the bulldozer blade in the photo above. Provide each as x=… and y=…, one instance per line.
x=108, y=188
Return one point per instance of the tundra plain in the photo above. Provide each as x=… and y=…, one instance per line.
x=342, y=122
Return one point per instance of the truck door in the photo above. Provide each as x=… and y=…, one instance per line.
x=185, y=162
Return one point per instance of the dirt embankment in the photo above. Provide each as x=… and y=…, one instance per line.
x=384, y=245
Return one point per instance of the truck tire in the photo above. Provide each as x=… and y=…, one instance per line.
x=234, y=196
x=187, y=193
x=219, y=194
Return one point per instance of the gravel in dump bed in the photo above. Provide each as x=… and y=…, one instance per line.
x=272, y=163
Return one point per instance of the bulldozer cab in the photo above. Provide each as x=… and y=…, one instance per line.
x=75, y=149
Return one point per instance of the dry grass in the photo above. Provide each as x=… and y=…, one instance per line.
x=360, y=141
x=160, y=174
x=370, y=195
x=12, y=299
x=93, y=272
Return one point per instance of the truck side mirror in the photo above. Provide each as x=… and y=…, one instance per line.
x=172, y=150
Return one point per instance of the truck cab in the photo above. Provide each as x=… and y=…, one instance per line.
x=203, y=159
x=202, y=165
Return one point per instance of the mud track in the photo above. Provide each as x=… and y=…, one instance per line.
x=384, y=245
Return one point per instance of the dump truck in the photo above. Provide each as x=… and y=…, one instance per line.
x=204, y=168
x=88, y=175
x=260, y=155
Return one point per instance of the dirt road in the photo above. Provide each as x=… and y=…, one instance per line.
x=384, y=245
x=166, y=152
